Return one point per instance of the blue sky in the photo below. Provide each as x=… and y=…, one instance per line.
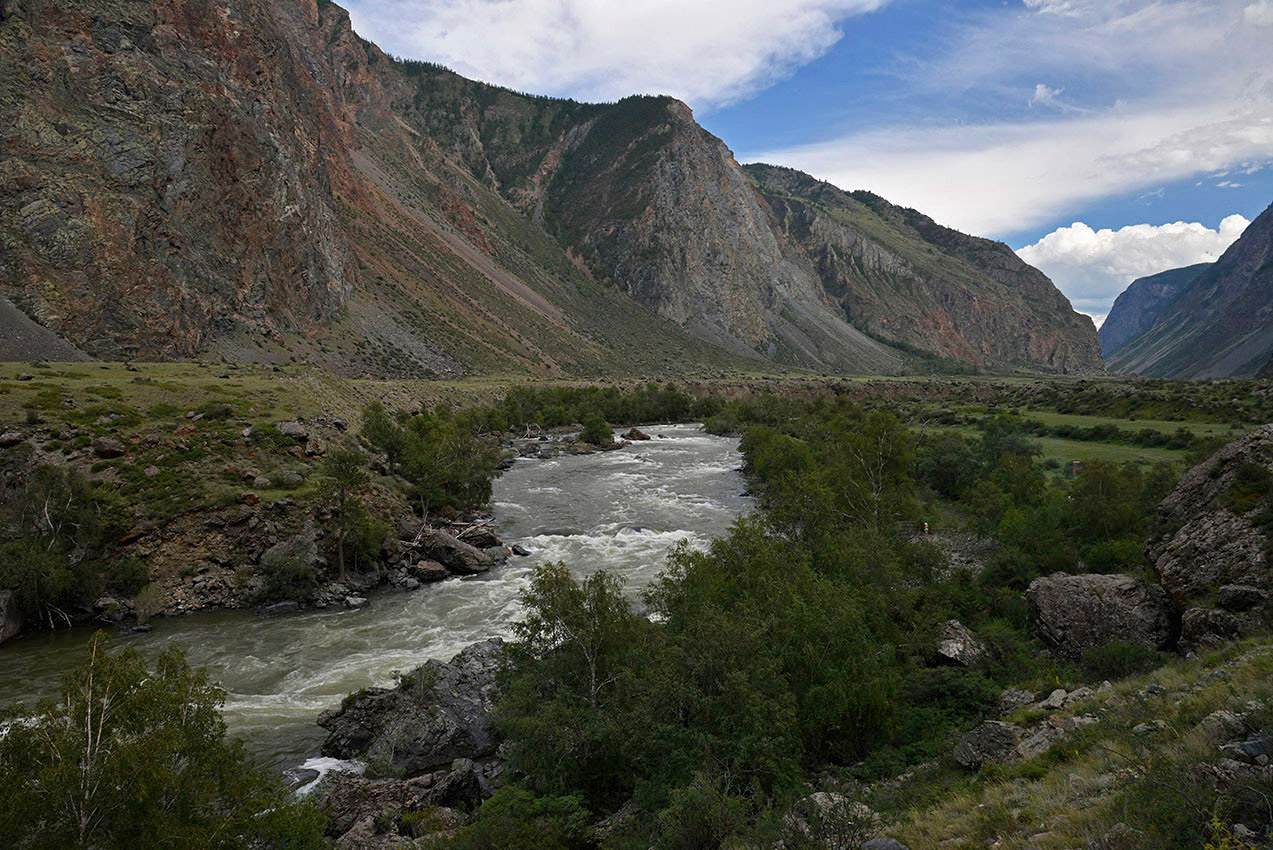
x=1104, y=139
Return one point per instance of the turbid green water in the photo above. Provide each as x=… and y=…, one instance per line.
x=621, y=511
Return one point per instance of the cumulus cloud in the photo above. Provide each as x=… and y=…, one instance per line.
x=707, y=52
x=1093, y=266
x=1259, y=14
x=1161, y=91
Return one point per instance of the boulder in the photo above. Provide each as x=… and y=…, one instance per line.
x=295, y=430
x=1241, y=597
x=302, y=547
x=429, y=571
x=482, y=538
x=1206, y=537
x=438, y=713
x=1013, y=698
x=10, y=615
x=992, y=741
x=635, y=434
x=108, y=448
x=1074, y=613
x=10, y=439
x=958, y=646
x=456, y=555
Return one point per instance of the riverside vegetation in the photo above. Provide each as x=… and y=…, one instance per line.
x=798, y=654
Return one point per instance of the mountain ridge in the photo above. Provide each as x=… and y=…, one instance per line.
x=255, y=180
x=1138, y=307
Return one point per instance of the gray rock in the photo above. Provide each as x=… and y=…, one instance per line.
x=286, y=606
x=1231, y=597
x=10, y=439
x=636, y=434
x=439, y=713
x=355, y=602
x=1209, y=626
x=295, y=430
x=482, y=538
x=958, y=646
x=429, y=571
x=10, y=615
x=519, y=550
x=992, y=741
x=108, y=447
x=1074, y=613
x=1013, y=698
x=456, y=555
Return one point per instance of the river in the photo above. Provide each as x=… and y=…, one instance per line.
x=620, y=511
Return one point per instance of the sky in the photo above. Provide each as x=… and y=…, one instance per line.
x=1103, y=140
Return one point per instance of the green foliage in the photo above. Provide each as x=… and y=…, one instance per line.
x=516, y=819
x=1252, y=484
x=596, y=431
x=440, y=454
x=57, y=543
x=130, y=757
x=287, y=577
x=1118, y=660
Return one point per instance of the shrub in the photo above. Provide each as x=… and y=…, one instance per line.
x=287, y=577
x=596, y=431
x=1118, y=660
x=516, y=819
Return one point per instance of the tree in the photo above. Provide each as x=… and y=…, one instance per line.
x=345, y=471
x=130, y=757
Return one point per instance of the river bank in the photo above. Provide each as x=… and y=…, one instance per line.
x=620, y=510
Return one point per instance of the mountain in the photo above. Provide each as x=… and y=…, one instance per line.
x=252, y=180
x=1220, y=325
x=1138, y=307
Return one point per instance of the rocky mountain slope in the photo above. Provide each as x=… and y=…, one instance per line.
x=1221, y=324
x=253, y=180
x=1138, y=307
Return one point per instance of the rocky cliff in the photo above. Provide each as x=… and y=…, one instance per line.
x=252, y=179
x=1221, y=324
x=906, y=280
x=1138, y=307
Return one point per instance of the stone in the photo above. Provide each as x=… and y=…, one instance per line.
x=1231, y=597
x=355, y=602
x=439, y=712
x=519, y=550
x=10, y=615
x=1075, y=613
x=1054, y=701
x=456, y=555
x=108, y=448
x=429, y=571
x=286, y=606
x=261, y=482
x=1200, y=627
x=992, y=741
x=10, y=439
x=1013, y=698
x=295, y=430
x=482, y=538
x=291, y=479
x=958, y=646
x=884, y=844
x=1223, y=724
x=250, y=499
x=635, y=434
x=150, y=471
x=1149, y=728
x=26, y=376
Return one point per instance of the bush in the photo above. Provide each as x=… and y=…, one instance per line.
x=130, y=757
x=596, y=431
x=516, y=819
x=287, y=577
x=1118, y=660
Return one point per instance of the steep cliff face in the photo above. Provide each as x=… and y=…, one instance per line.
x=251, y=179
x=1138, y=307
x=1221, y=324
x=904, y=279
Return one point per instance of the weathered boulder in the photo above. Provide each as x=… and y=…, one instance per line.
x=108, y=448
x=482, y=538
x=367, y=814
x=10, y=615
x=10, y=439
x=1073, y=613
x=958, y=646
x=428, y=571
x=301, y=548
x=992, y=741
x=456, y=555
x=636, y=434
x=438, y=713
x=1207, y=535
x=295, y=430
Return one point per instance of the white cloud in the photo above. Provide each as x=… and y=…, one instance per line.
x=1158, y=90
x=1093, y=266
x=707, y=52
x=1005, y=178
x=1259, y=14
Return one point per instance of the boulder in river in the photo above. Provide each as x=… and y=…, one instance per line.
x=482, y=538
x=438, y=713
x=1074, y=613
x=428, y=571
x=456, y=555
x=636, y=434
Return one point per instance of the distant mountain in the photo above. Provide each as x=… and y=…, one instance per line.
x=1220, y=325
x=251, y=179
x=1138, y=306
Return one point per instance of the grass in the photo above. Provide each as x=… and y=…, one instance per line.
x=1208, y=429
x=1063, y=451
x=1075, y=793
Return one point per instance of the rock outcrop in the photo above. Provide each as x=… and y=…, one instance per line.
x=1220, y=325
x=1138, y=307
x=1075, y=613
x=1211, y=547
x=438, y=713
x=959, y=646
